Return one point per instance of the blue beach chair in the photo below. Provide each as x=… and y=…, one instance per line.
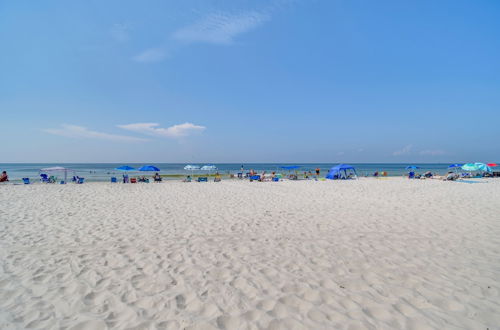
x=255, y=178
x=44, y=178
x=202, y=179
x=113, y=180
x=80, y=180
x=26, y=180
x=411, y=175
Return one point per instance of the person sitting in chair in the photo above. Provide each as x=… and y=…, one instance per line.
x=4, y=177
x=217, y=178
x=157, y=177
x=187, y=179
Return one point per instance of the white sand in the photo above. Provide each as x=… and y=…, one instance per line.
x=366, y=254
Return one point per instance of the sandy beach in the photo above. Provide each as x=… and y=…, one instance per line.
x=361, y=254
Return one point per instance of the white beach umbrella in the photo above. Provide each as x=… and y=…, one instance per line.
x=191, y=167
x=209, y=168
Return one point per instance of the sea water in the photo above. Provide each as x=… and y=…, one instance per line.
x=104, y=171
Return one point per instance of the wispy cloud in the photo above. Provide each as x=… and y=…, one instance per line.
x=405, y=151
x=120, y=32
x=74, y=131
x=176, y=131
x=151, y=55
x=432, y=152
x=221, y=28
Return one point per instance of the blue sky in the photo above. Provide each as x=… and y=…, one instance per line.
x=250, y=81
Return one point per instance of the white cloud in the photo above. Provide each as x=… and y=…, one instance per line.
x=74, y=131
x=405, y=151
x=175, y=131
x=120, y=32
x=151, y=55
x=221, y=28
x=432, y=152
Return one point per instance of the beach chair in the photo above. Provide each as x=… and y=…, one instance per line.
x=411, y=175
x=44, y=178
x=202, y=179
x=187, y=179
x=113, y=180
x=52, y=179
x=133, y=180
x=80, y=180
x=217, y=179
x=255, y=178
x=26, y=180
x=276, y=179
x=240, y=175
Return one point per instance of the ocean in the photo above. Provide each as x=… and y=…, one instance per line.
x=104, y=171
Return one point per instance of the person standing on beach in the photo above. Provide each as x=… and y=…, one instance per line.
x=317, y=171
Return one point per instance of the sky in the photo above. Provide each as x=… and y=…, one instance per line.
x=250, y=81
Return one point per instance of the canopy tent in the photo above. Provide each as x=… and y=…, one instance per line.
x=58, y=169
x=476, y=167
x=336, y=171
x=149, y=168
x=125, y=168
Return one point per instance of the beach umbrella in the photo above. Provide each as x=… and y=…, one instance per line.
x=149, y=168
x=492, y=164
x=290, y=167
x=191, y=167
x=470, y=167
x=125, y=168
x=412, y=167
x=209, y=168
x=455, y=166
x=476, y=167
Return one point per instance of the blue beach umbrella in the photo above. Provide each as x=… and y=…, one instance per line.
x=290, y=167
x=412, y=167
x=149, y=168
x=456, y=166
x=125, y=168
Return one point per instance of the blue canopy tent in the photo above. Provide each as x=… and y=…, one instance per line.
x=335, y=172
